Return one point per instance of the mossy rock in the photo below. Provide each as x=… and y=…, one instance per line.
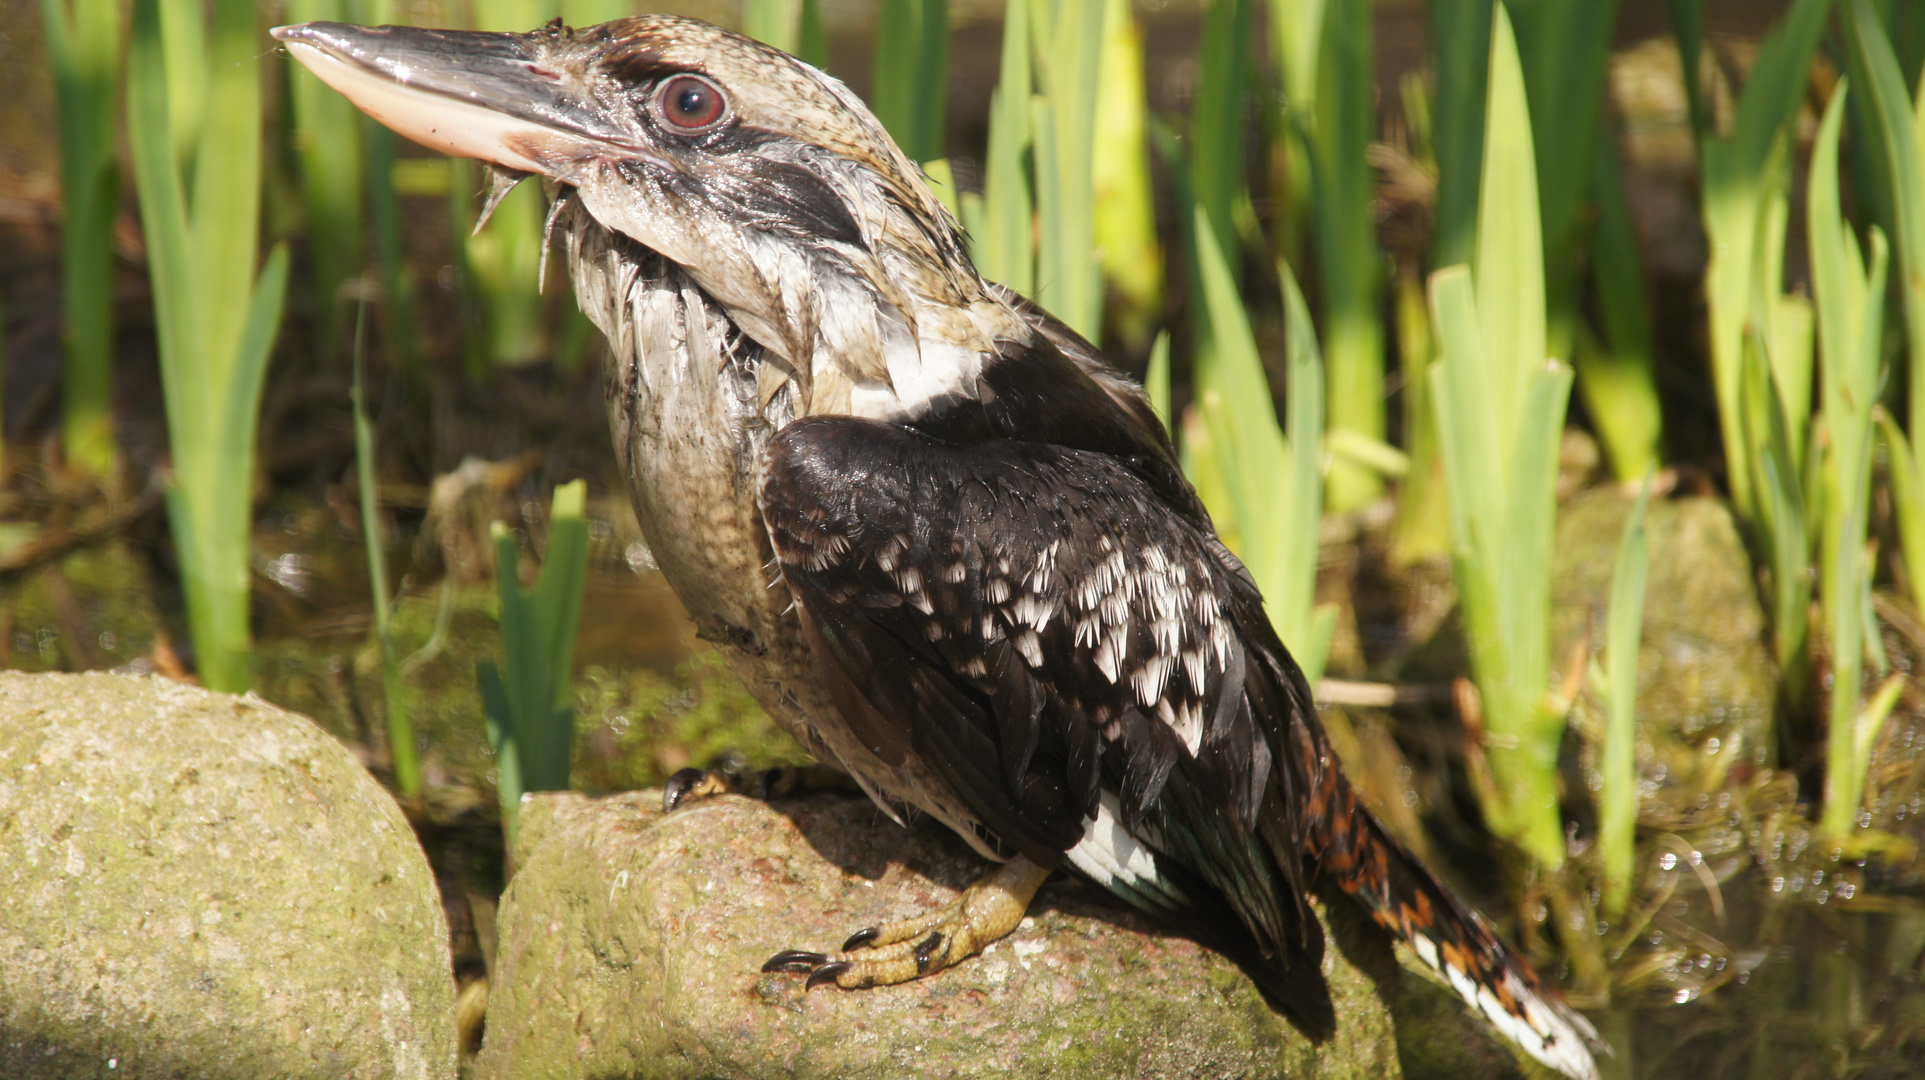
x=92, y=609
x=201, y=885
x=1705, y=678
x=631, y=943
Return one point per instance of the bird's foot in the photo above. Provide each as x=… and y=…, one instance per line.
x=900, y=951
x=783, y=781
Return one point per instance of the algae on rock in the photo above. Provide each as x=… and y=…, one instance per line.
x=631, y=943
x=204, y=885
x=1705, y=677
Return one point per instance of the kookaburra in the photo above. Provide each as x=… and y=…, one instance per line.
x=944, y=543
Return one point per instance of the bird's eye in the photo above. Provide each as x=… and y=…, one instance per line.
x=691, y=103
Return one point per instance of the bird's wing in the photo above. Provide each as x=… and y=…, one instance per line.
x=1067, y=653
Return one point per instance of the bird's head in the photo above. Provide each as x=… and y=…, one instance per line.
x=767, y=180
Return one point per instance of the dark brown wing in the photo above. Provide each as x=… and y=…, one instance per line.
x=1066, y=652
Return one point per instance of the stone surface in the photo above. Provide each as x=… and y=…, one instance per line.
x=199, y=885
x=1705, y=677
x=631, y=944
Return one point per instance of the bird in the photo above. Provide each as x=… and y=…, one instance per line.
x=944, y=543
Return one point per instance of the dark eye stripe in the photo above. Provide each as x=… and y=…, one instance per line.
x=691, y=103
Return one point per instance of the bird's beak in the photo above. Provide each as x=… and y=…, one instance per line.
x=464, y=93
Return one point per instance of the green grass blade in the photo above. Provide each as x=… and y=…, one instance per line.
x=214, y=348
x=1624, y=628
x=1687, y=24
x=1908, y=503
x=84, y=47
x=1510, y=246
x=163, y=212
x=226, y=185
x=401, y=751
x=1501, y=548
x=1850, y=301
x=1618, y=375
x=1744, y=176
x=1125, y=206
x=1423, y=512
x=1897, y=132
x=183, y=38
x=538, y=627
x=329, y=144
x=1461, y=33
x=1307, y=637
x=1275, y=530
x=1296, y=28
x=498, y=714
x=1069, y=278
x=1782, y=519
x=1156, y=380
x=911, y=72
x=1004, y=243
x=1217, y=143
x=812, y=36
x=503, y=259
x=1564, y=45
x=773, y=22
x=1346, y=232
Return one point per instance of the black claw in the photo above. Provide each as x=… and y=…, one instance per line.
x=797, y=961
x=678, y=787
x=860, y=938
x=778, y=782
x=827, y=973
x=926, y=951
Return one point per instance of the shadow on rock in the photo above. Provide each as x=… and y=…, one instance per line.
x=631, y=944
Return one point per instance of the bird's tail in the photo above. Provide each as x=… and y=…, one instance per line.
x=1353, y=850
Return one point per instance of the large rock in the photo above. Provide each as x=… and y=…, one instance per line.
x=631, y=944
x=198, y=885
x=1705, y=677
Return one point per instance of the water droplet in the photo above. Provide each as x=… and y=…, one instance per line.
x=1667, y=861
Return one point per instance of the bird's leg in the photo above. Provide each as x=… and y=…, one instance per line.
x=783, y=781
x=911, y=948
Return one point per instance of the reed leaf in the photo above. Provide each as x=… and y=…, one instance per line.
x=502, y=256
x=1623, y=631
x=1068, y=35
x=1744, y=179
x=1125, y=207
x=1461, y=33
x=1850, y=298
x=1156, y=380
x=1296, y=28
x=527, y=696
x=1500, y=408
x=1002, y=231
x=1564, y=45
x=1250, y=455
x=1422, y=530
x=329, y=146
x=773, y=22
x=401, y=752
x=216, y=320
x=1346, y=236
x=911, y=74
x=1895, y=128
x=83, y=47
x=1217, y=141
x=1510, y=260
